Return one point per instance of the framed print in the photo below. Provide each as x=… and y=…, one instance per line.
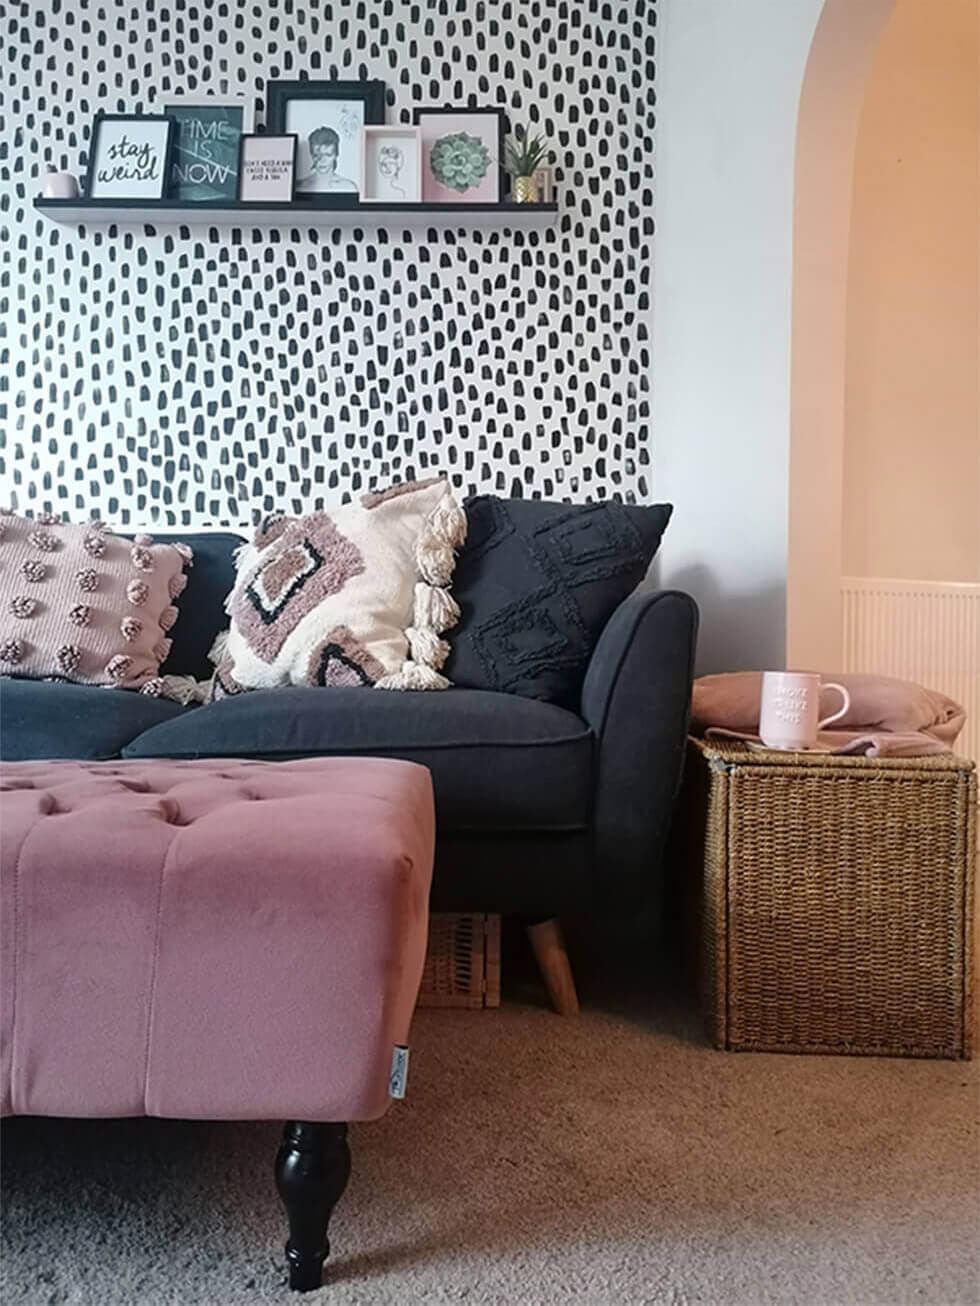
x=206, y=145
x=462, y=155
x=129, y=157
x=326, y=118
x=267, y=168
x=391, y=165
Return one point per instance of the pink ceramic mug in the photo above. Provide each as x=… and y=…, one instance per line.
x=60, y=186
x=790, y=708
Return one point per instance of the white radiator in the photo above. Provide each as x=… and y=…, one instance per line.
x=926, y=631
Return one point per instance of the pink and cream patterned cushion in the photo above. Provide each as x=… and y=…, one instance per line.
x=79, y=603
x=356, y=596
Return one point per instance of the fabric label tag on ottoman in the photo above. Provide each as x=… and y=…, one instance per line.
x=398, y=1079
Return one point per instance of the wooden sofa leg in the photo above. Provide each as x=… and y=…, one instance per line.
x=312, y=1169
x=548, y=945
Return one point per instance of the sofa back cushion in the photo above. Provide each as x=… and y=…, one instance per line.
x=202, y=605
x=536, y=583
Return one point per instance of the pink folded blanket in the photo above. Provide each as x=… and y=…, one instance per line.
x=887, y=717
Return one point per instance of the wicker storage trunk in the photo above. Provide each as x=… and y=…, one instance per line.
x=833, y=900
x=462, y=964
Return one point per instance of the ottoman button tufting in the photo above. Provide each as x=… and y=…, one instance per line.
x=171, y=813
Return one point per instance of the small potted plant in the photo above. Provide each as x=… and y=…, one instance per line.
x=524, y=155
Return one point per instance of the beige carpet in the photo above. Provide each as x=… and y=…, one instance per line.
x=614, y=1159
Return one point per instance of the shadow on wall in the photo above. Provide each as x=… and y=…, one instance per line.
x=735, y=624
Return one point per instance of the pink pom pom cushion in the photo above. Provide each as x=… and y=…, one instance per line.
x=81, y=604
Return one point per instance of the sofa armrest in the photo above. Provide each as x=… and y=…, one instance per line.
x=637, y=697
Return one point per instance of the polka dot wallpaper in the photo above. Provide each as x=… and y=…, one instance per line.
x=204, y=376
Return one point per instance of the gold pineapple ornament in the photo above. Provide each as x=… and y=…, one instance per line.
x=525, y=190
x=524, y=155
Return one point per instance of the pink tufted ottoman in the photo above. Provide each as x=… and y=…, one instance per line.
x=215, y=940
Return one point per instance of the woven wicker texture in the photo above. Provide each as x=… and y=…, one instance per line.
x=462, y=964
x=836, y=906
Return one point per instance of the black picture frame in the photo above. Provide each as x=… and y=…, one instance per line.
x=279, y=95
x=93, y=153
x=193, y=147
x=258, y=136
x=421, y=111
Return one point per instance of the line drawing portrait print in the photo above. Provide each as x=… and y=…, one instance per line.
x=391, y=164
x=323, y=174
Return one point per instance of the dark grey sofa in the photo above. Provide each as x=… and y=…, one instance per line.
x=541, y=809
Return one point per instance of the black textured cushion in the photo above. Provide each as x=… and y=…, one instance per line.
x=537, y=583
x=41, y=719
x=497, y=763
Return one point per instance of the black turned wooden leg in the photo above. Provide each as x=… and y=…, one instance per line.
x=312, y=1169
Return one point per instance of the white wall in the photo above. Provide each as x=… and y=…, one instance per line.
x=729, y=86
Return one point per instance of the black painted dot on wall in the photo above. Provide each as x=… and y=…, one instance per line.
x=193, y=377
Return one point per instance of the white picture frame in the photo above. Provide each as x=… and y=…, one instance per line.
x=391, y=165
x=267, y=169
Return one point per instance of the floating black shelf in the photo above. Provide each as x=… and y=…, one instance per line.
x=348, y=213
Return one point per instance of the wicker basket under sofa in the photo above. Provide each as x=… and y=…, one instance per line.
x=833, y=900
x=462, y=964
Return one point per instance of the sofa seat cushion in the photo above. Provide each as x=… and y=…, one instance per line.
x=498, y=762
x=41, y=719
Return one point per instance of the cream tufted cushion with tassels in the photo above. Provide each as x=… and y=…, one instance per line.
x=355, y=596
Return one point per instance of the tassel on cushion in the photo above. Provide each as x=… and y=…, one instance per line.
x=217, y=650
x=447, y=522
x=179, y=689
x=435, y=607
x=426, y=646
x=443, y=532
x=413, y=675
x=435, y=560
